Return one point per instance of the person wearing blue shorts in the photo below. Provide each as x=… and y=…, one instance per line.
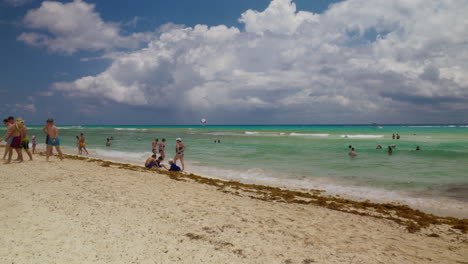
x=54, y=140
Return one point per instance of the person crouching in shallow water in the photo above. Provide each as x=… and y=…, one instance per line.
x=54, y=139
x=180, y=149
x=151, y=162
x=174, y=166
x=352, y=153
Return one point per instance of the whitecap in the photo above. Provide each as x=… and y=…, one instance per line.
x=309, y=135
x=362, y=136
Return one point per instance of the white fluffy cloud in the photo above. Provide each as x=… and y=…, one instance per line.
x=359, y=56
x=74, y=26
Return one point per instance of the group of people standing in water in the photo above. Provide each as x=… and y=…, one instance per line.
x=352, y=151
x=159, y=148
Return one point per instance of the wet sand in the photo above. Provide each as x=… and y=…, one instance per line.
x=89, y=211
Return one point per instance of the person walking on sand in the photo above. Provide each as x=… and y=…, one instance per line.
x=54, y=139
x=83, y=143
x=7, y=140
x=154, y=146
x=161, y=147
x=14, y=135
x=180, y=149
x=44, y=130
x=24, y=137
x=78, y=145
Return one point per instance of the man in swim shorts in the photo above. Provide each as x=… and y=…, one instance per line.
x=24, y=137
x=83, y=143
x=54, y=140
x=151, y=162
x=14, y=138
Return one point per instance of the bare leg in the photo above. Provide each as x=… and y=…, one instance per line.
x=29, y=154
x=59, y=152
x=34, y=149
x=48, y=152
x=20, y=154
x=86, y=150
x=182, y=161
x=7, y=148
x=10, y=154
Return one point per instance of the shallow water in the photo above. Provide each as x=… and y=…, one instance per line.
x=308, y=157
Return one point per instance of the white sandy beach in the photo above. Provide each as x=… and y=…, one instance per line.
x=74, y=211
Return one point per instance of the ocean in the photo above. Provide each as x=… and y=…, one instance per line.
x=434, y=179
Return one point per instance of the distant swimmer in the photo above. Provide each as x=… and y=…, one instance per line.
x=378, y=147
x=108, y=142
x=393, y=136
x=350, y=147
x=83, y=143
x=154, y=146
x=219, y=141
x=161, y=147
x=397, y=136
x=352, y=153
x=180, y=149
x=54, y=140
x=417, y=148
x=173, y=167
x=151, y=162
x=393, y=146
x=390, y=150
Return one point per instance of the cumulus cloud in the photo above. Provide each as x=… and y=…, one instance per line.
x=75, y=26
x=357, y=57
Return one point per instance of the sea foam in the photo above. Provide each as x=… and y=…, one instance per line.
x=362, y=136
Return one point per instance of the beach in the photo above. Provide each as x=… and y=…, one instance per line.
x=83, y=210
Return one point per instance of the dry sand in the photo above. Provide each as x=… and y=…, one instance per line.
x=76, y=211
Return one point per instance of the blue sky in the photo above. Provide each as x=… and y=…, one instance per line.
x=254, y=62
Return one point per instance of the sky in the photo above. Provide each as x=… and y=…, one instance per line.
x=166, y=62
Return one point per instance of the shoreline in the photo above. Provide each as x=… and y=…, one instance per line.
x=442, y=206
x=91, y=210
x=413, y=219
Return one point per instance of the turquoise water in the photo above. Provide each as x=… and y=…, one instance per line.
x=303, y=156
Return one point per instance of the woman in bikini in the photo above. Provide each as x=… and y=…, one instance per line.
x=180, y=149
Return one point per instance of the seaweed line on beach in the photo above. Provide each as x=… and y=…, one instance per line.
x=414, y=220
